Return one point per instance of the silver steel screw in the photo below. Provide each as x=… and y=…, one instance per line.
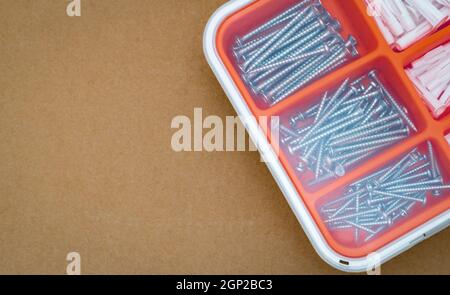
x=336, y=126
x=295, y=119
x=259, y=88
x=321, y=107
x=435, y=193
x=280, y=37
x=397, y=196
x=363, y=134
x=390, y=139
x=406, y=179
x=350, y=93
x=367, y=139
x=320, y=51
x=332, y=62
x=415, y=184
x=295, y=81
x=319, y=160
x=239, y=53
x=378, y=122
x=373, y=75
x=306, y=157
x=396, y=166
x=298, y=73
x=422, y=189
x=288, y=14
x=288, y=131
x=306, y=44
x=358, y=152
x=347, y=216
x=312, y=29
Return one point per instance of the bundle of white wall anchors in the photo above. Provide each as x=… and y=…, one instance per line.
x=431, y=75
x=403, y=22
x=373, y=204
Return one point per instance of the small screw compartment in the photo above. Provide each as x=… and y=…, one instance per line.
x=346, y=12
x=392, y=81
x=344, y=239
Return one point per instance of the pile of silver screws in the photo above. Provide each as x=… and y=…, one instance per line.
x=376, y=202
x=291, y=50
x=345, y=127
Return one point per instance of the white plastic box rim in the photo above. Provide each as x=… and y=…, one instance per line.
x=289, y=191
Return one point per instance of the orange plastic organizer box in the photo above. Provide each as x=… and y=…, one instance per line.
x=375, y=53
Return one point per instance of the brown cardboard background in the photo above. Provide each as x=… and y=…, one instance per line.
x=86, y=164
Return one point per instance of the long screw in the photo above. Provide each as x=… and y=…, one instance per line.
x=288, y=14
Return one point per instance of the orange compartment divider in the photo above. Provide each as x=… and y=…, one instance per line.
x=446, y=121
x=375, y=53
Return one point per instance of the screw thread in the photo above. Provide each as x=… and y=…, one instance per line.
x=288, y=14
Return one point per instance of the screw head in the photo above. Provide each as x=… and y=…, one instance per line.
x=285, y=140
x=247, y=80
x=300, y=167
x=355, y=90
x=241, y=67
x=328, y=160
x=237, y=55
x=360, y=87
x=305, y=161
x=436, y=193
x=332, y=32
x=339, y=170
x=407, y=130
x=266, y=98
x=384, y=106
x=321, y=22
x=318, y=4
x=403, y=212
x=294, y=119
x=424, y=200
x=326, y=48
x=238, y=42
x=415, y=157
x=352, y=41
x=330, y=151
x=359, y=110
x=389, y=221
x=373, y=75
x=326, y=16
x=315, y=11
x=351, y=45
x=335, y=24
x=291, y=150
x=429, y=174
